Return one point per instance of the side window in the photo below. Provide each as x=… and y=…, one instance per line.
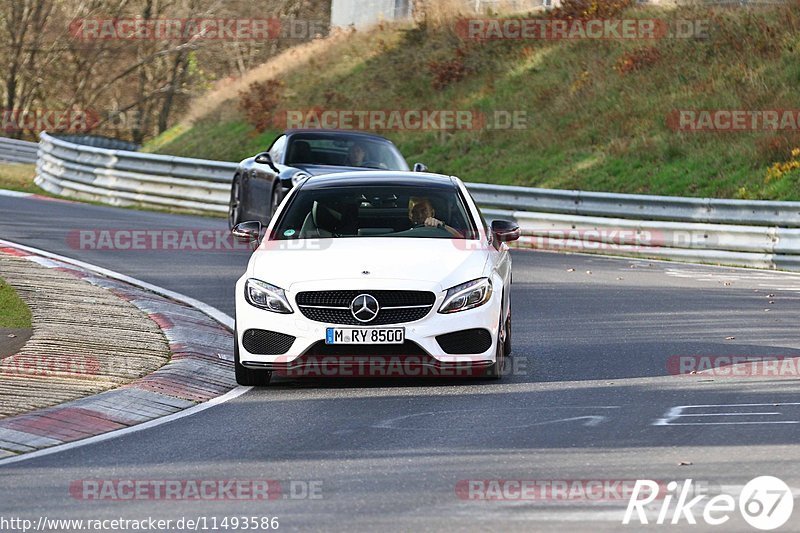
x=483, y=221
x=278, y=147
x=480, y=214
x=489, y=236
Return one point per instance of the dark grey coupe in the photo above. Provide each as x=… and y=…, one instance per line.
x=262, y=181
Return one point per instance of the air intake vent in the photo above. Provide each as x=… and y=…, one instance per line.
x=468, y=341
x=263, y=342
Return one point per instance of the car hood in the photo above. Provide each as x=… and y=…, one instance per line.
x=443, y=262
x=316, y=170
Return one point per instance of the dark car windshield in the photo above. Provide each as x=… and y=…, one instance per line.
x=376, y=211
x=343, y=150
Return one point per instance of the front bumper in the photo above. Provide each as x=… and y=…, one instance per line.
x=425, y=355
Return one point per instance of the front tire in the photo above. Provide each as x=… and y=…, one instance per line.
x=247, y=376
x=495, y=371
x=507, y=346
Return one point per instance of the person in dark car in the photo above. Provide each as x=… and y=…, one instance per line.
x=356, y=155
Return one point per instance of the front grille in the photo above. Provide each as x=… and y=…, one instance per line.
x=404, y=300
x=466, y=341
x=263, y=342
x=344, y=316
x=385, y=298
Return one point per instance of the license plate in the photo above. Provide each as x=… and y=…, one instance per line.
x=365, y=336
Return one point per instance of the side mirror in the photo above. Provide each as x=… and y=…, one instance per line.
x=265, y=159
x=505, y=231
x=247, y=232
x=420, y=167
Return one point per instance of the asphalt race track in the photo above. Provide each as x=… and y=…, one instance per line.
x=591, y=398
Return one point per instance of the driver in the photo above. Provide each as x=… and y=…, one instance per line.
x=421, y=213
x=356, y=155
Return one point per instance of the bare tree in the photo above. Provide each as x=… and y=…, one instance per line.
x=24, y=24
x=139, y=84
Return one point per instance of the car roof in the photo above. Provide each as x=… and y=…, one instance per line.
x=367, y=178
x=332, y=132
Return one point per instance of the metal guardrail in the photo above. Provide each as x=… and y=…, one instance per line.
x=125, y=178
x=751, y=246
x=636, y=206
x=16, y=151
x=731, y=232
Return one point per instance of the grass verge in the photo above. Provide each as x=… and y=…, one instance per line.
x=19, y=177
x=597, y=110
x=14, y=313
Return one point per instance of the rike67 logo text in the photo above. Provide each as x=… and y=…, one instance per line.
x=765, y=503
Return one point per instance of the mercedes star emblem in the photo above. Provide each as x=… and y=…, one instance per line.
x=364, y=307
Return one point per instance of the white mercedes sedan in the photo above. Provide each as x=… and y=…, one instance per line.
x=375, y=274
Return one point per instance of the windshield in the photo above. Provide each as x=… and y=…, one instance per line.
x=376, y=211
x=343, y=150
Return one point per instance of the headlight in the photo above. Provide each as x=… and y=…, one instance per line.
x=297, y=177
x=266, y=296
x=467, y=296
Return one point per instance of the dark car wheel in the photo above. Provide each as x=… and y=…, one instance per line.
x=507, y=346
x=247, y=376
x=235, y=204
x=496, y=370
